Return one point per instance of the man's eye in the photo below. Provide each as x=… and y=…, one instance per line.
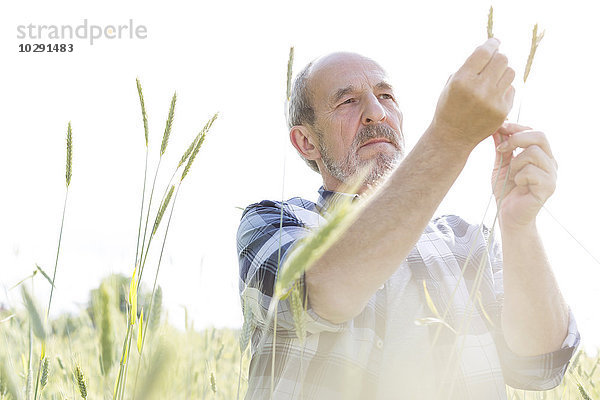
x=351, y=100
x=386, y=96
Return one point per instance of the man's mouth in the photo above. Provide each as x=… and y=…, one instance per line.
x=373, y=141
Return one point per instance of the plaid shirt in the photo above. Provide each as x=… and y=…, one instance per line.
x=382, y=353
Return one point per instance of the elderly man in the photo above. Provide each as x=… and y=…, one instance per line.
x=403, y=305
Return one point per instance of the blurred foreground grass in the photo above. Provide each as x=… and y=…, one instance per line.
x=177, y=364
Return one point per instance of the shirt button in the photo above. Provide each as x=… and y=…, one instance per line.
x=379, y=343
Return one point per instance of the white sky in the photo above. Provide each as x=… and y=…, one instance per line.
x=231, y=57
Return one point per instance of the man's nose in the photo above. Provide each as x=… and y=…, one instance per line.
x=373, y=111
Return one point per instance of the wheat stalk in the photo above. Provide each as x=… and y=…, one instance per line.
x=140, y=330
x=198, y=145
x=312, y=247
x=584, y=394
x=246, y=327
x=80, y=379
x=69, y=154
x=162, y=210
x=298, y=312
x=68, y=174
x=188, y=151
x=213, y=383
x=133, y=297
x=165, y=141
x=34, y=314
x=289, y=74
x=145, y=119
x=535, y=41
x=106, y=331
x=490, y=24
x=45, y=372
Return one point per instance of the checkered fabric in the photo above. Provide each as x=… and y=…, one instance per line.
x=397, y=348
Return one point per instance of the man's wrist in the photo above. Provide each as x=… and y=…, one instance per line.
x=446, y=138
x=515, y=231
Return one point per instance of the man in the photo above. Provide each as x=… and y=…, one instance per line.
x=390, y=312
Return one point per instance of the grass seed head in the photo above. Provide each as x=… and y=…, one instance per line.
x=202, y=135
x=535, y=41
x=213, y=383
x=165, y=141
x=298, y=312
x=34, y=314
x=106, y=329
x=313, y=246
x=289, y=74
x=80, y=380
x=188, y=151
x=490, y=24
x=69, y=154
x=246, y=331
x=583, y=393
x=45, y=371
x=140, y=94
x=162, y=209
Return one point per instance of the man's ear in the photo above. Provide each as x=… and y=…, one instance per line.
x=302, y=140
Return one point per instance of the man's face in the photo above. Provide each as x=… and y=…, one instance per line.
x=357, y=118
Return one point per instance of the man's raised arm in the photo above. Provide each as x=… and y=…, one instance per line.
x=472, y=106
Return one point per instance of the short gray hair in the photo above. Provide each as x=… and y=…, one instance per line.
x=301, y=110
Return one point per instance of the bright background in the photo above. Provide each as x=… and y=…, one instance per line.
x=231, y=57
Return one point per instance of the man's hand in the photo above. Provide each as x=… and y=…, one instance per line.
x=477, y=98
x=532, y=177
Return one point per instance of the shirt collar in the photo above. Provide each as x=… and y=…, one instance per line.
x=329, y=198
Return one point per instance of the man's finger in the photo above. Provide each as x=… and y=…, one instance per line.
x=537, y=181
x=481, y=56
x=509, y=128
x=496, y=67
x=525, y=139
x=532, y=155
x=506, y=79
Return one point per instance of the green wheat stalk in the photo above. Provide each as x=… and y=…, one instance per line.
x=535, y=41
x=162, y=210
x=145, y=120
x=490, y=24
x=192, y=150
x=289, y=74
x=80, y=379
x=68, y=174
x=68, y=181
x=198, y=145
x=169, y=124
x=163, y=148
x=190, y=161
x=144, y=117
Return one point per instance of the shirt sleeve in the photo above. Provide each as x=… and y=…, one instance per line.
x=267, y=234
x=540, y=372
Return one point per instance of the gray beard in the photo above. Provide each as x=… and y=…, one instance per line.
x=381, y=165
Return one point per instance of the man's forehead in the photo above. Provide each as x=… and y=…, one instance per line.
x=345, y=71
